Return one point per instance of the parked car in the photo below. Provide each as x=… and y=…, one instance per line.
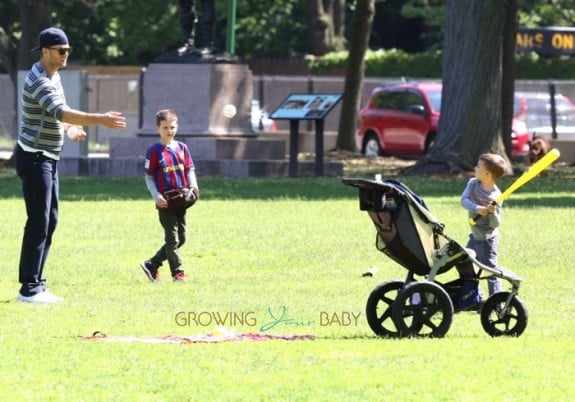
x=534, y=109
x=402, y=119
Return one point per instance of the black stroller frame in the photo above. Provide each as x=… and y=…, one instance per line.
x=410, y=235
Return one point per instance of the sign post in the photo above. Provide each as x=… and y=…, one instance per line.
x=306, y=106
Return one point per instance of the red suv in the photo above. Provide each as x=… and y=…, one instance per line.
x=402, y=119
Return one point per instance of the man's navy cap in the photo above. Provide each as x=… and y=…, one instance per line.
x=50, y=37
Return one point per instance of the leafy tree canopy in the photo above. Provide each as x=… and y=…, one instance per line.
x=533, y=13
x=134, y=32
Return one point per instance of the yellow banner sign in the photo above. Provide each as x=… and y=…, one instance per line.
x=549, y=41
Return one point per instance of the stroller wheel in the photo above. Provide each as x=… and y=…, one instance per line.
x=423, y=309
x=378, y=309
x=496, y=322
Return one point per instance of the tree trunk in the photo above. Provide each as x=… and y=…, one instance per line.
x=471, y=109
x=508, y=71
x=35, y=16
x=8, y=48
x=8, y=53
x=360, y=30
x=326, y=26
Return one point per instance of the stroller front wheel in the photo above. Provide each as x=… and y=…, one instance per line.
x=423, y=309
x=496, y=322
x=378, y=309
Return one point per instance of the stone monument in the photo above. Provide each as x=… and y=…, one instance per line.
x=198, y=87
x=198, y=93
x=198, y=84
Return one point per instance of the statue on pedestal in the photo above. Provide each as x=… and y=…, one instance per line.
x=198, y=31
x=189, y=23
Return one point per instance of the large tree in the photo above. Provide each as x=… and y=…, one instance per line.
x=32, y=16
x=326, y=26
x=508, y=70
x=359, y=37
x=471, y=112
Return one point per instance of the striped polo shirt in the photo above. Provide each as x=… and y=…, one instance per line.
x=43, y=103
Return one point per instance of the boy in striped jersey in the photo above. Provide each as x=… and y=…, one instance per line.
x=45, y=119
x=169, y=166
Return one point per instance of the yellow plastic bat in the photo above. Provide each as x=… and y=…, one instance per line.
x=532, y=172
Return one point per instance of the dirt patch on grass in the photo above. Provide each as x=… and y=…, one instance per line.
x=357, y=165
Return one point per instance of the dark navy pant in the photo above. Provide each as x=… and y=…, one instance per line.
x=40, y=188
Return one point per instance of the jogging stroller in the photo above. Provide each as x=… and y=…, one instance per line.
x=410, y=235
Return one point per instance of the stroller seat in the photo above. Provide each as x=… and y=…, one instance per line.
x=407, y=231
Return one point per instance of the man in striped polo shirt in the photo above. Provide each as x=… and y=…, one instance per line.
x=45, y=119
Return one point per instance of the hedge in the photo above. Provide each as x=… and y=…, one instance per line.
x=397, y=63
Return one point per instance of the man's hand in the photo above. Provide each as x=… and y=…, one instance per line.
x=76, y=133
x=114, y=120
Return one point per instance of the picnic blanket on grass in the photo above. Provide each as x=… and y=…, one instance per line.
x=227, y=336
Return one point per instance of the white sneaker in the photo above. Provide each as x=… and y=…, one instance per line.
x=45, y=297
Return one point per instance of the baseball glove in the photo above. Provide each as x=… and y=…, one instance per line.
x=180, y=198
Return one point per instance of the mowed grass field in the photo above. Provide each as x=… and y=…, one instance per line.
x=289, y=251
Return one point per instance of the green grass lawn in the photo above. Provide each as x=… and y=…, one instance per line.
x=257, y=248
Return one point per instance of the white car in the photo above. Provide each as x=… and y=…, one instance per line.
x=260, y=119
x=534, y=108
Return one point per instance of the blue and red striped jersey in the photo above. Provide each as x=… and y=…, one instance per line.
x=169, y=165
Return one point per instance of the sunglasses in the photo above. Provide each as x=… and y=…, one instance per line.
x=62, y=50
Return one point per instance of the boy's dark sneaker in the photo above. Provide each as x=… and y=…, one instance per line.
x=471, y=300
x=151, y=270
x=179, y=276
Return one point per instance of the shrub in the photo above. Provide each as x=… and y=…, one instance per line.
x=398, y=63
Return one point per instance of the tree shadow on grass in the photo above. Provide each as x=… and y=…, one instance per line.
x=305, y=188
x=212, y=188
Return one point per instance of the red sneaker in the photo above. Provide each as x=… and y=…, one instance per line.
x=179, y=276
